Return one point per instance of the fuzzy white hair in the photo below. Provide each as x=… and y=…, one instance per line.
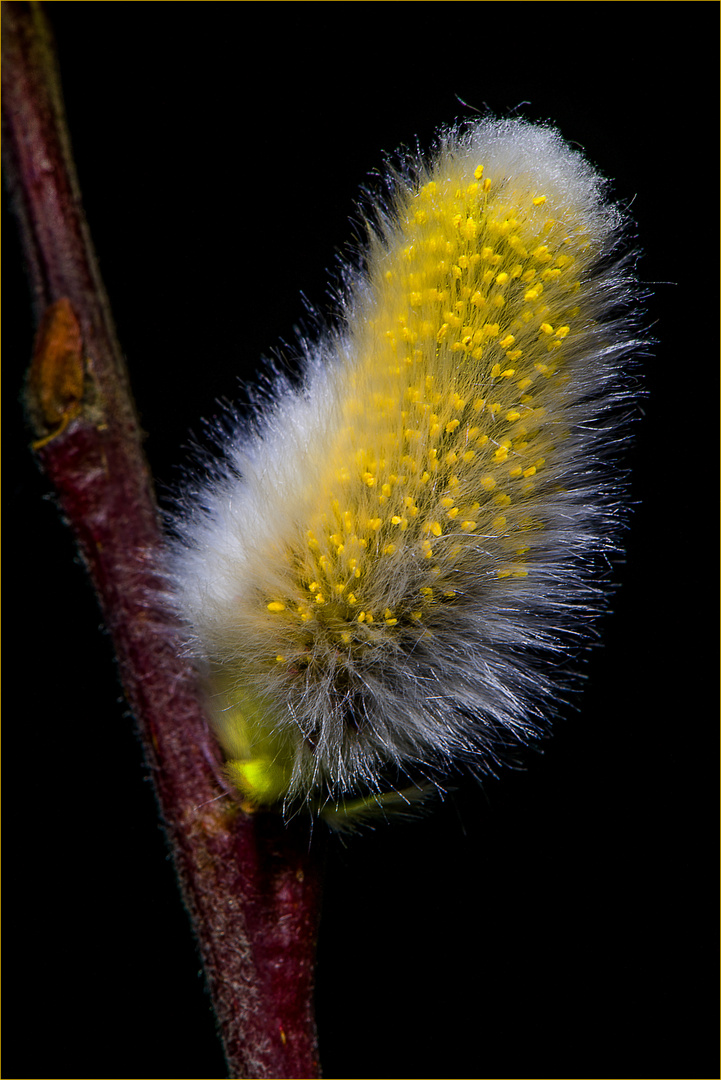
x=392, y=568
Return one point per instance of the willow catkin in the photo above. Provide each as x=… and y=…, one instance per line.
x=385, y=573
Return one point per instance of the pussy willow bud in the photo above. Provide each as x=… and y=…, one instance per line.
x=384, y=575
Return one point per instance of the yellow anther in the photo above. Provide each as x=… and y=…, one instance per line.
x=563, y=331
x=452, y=425
x=468, y=526
x=275, y=605
x=515, y=243
x=507, y=341
x=435, y=528
x=478, y=172
x=539, y=200
x=546, y=328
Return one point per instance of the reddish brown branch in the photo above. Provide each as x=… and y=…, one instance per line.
x=250, y=884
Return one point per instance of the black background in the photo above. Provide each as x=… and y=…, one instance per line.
x=557, y=922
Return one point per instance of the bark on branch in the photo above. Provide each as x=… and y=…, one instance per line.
x=251, y=884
